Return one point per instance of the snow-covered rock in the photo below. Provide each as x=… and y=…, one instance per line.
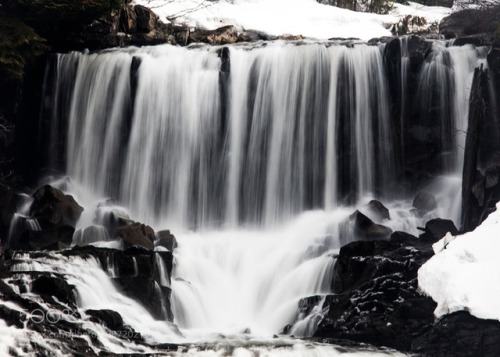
x=297, y=17
x=465, y=272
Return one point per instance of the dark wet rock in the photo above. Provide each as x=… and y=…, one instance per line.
x=136, y=272
x=375, y=298
x=166, y=239
x=437, y=228
x=221, y=36
x=442, y=3
x=377, y=211
x=365, y=228
x=8, y=199
x=459, y=334
x=52, y=205
x=136, y=234
x=109, y=318
x=424, y=202
x=51, y=238
x=54, y=286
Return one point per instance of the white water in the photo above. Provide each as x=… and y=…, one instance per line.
x=255, y=156
x=445, y=81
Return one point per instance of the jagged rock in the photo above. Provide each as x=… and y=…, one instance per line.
x=136, y=234
x=128, y=19
x=376, y=298
x=52, y=205
x=437, y=228
x=365, y=228
x=424, y=202
x=221, y=36
x=166, y=239
x=146, y=19
x=54, y=286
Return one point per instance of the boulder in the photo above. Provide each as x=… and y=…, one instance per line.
x=109, y=318
x=424, y=202
x=377, y=211
x=146, y=19
x=470, y=22
x=365, y=228
x=221, y=36
x=436, y=229
x=54, y=286
x=136, y=234
x=166, y=239
x=52, y=205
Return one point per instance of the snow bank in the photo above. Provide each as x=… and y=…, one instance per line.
x=465, y=272
x=297, y=17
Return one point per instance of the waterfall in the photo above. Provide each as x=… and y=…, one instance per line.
x=301, y=127
x=253, y=155
x=444, y=86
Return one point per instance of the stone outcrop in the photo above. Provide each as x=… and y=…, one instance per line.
x=376, y=301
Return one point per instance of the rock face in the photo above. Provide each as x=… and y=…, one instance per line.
x=470, y=22
x=459, y=334
x=137, y=273
x=376, y=299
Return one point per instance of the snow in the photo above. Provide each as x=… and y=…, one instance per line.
x=463, y=275
x=296, y=17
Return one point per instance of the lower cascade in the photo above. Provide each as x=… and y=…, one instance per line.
x=283, y=169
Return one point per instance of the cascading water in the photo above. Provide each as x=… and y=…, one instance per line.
x=238, y=144
x=275, y=152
